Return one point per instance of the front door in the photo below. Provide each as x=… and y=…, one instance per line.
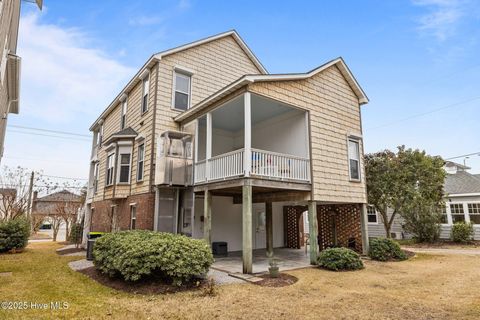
x=260, y=236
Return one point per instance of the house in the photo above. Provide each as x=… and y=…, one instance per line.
x=9, y=62
x=462, y=203
x=203, y=141
x=48, y=205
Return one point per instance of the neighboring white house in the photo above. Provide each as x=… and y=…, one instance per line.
x=462, y=203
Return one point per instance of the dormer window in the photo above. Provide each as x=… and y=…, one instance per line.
x=182, y=86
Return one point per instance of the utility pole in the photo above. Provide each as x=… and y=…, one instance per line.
x=30, y=192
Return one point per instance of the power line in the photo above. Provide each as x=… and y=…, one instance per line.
x=424, y=113
x=49, y=135
x=463, y=156
x=39, y=159
x=60, y=177
x=52, y=131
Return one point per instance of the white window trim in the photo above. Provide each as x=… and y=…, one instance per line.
x=357, y=140
x=138, y=161
x=145, y=78
x=184, y=73
x=120, y=167
x=107, y=184
x=376, y=216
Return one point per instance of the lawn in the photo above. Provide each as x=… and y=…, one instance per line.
x=426, y=287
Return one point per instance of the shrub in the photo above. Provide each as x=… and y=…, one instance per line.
x=339, y=259
x=462, y=232
x=14, y=234
x=137, y=254
x=383, y=249
x=76, y=233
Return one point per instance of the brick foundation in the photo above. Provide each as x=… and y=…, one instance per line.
x=102, y=213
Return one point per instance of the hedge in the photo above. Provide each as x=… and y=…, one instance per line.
x=383, y=249
x=133, y=255
x=462, y=232
x=337, y=259
x=14, y=234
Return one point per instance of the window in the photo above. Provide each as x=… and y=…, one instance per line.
x=141, y=156
x=372, y=214
x=95, y=177
x=181, y=98
x=458, y=215
x=100, y=135
x=133, y=217
x=145, y=84
x=443, y=214
x=354, y=159
x=123, y=120
x=474, y=211
x=124, y=168
x=110, y=166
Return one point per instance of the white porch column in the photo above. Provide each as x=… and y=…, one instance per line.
x=247, y=160
x=208, y=153
x=466, y=212
x=449, y=213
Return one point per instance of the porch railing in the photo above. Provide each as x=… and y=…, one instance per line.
x=226, y=165
x=266, y=164
x=280, y=166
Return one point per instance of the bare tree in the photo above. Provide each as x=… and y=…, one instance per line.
x=66, y=211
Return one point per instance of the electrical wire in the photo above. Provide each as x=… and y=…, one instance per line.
x=52, y=131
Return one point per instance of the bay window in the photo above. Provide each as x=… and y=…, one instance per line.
x=124, y=176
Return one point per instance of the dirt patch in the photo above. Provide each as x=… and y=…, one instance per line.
x=147, y=286
x=40, y=236
x=282, y=280
x=68, y=251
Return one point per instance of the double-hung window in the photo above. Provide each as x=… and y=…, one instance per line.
x=140, y=162
x=474, y=212
x=133, y=217
x=124, y=168
x=458, y=214
x=354, y=159
x=123, y=120
x=145, y=90
x=95, y=177
x=182, y=85
x=372, y=215
x=110, y=168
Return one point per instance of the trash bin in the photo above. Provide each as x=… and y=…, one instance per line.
x=91, y=242
x=220, y=248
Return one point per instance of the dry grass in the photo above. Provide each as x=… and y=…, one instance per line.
x=426, y=287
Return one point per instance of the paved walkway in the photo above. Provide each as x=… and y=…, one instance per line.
x=444, y=250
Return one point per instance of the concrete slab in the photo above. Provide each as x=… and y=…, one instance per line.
x=287, y=259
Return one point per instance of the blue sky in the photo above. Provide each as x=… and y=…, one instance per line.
x=411, y=58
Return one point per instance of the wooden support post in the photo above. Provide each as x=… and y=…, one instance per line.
x=364, y=222
x=247, y=253
x=207, y=217
x=313, y=231
x=269, y=227
x=247, y=160
x=208, y=146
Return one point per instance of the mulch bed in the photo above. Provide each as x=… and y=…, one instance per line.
x=68, y=251
x=283, y=280
x=147, y=286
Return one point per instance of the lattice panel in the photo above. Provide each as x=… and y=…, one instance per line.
x=339, y=225
x=292, y=228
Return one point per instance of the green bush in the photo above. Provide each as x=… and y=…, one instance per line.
x=76, y=233
x=14, y=234
x=138, y=254
x=339, y=259
x=383, y=249
x=462, y=232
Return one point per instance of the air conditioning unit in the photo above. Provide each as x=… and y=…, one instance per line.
x=173, y=165
x=396, y=235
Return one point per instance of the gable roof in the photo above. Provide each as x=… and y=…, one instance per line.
x=158, y=56
x=339, y=62
x=63, y=195
x=461, y=182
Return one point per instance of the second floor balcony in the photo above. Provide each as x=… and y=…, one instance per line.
x=252, y=136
